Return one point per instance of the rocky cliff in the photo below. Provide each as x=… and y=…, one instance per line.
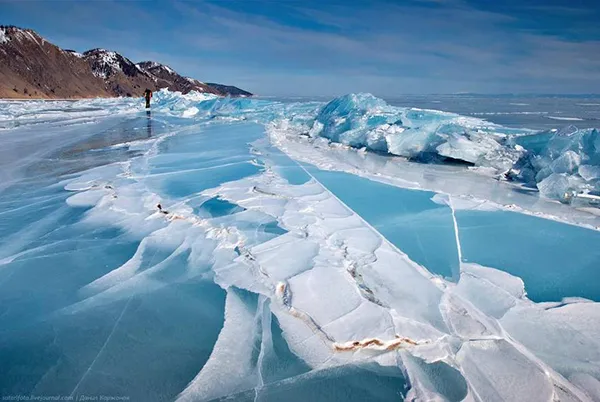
x=32, y=67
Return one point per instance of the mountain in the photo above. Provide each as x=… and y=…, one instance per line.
x=174, y=80
x=233, y=91
x=120, y=76
x=32, y=67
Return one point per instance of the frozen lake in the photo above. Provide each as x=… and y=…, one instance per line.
x=263, y=250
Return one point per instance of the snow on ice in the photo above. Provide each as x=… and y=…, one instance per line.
x=252, y=249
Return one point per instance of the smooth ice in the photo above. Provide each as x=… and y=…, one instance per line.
x=248, y=249
x=409, y=219
x=554, y=260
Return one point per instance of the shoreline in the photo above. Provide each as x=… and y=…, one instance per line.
x=33, y=98
x=103, y=97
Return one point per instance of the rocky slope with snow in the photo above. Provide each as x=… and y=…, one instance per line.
x=32, y=67
x=176, y=81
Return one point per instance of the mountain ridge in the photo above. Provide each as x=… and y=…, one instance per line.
x=32, y=67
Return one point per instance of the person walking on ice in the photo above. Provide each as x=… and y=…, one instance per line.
x=147, y=96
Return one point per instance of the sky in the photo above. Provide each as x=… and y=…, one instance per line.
x=331, y=47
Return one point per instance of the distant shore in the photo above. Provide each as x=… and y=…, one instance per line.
x=33, y=98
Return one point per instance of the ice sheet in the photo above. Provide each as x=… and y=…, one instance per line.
x=249, y=270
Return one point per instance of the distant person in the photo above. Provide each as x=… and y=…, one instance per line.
x=147, y=96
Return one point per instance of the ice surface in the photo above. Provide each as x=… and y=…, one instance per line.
x=361, y=120
x=565, y=118
x=555, y=157
x=471, y=191
x=554, y=261
x=224, y=248
x=232, y=365
x=407, y=218
x=480, y=361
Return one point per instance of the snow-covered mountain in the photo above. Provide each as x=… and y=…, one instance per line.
x=176, y=81
x=106, y=63
x=32, y=67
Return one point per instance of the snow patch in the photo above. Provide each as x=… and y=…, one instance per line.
x=105, y=63
x=74, y=53
x=195, y=82
x=564, y=118
x=4, y=38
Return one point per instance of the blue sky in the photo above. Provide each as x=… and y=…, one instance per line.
x=389, y=48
